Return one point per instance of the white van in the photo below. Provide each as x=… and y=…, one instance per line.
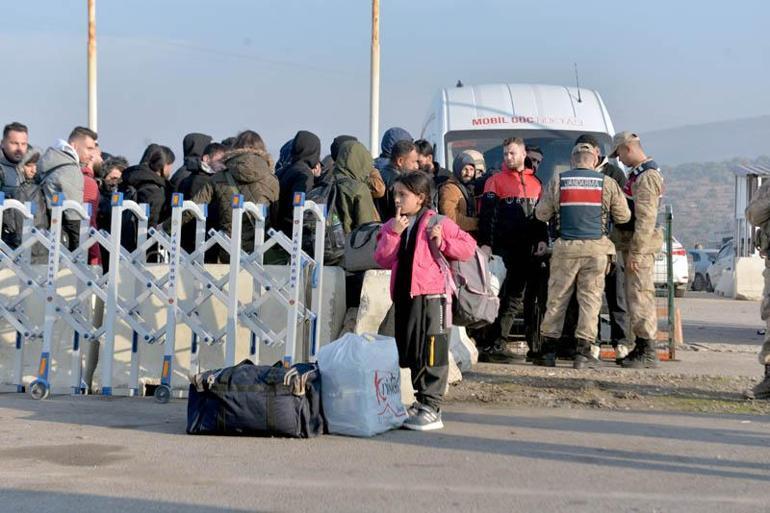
x=480, y=117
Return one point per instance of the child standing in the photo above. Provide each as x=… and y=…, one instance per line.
x=418, y=288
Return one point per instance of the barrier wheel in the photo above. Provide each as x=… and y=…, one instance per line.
x=163, y=394
x=39, y=389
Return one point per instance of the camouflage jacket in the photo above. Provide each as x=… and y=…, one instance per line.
x=758, y=214
x=646, y=237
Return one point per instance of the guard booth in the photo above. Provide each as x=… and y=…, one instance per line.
x=743, y=280
x=748, y=179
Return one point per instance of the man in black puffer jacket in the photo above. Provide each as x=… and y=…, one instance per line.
x=198, y=188
x=147, y=183
x=192, y=146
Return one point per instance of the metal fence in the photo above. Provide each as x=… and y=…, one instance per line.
x=301, y=299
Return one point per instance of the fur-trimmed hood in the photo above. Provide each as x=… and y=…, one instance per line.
x=248, y=164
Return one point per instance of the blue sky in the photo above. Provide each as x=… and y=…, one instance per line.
x=168, y=67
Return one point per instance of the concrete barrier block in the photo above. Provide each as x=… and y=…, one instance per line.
x=748, y=278
x=455, y=375
x=375, y=301
x=407, y=391
x=349, y=323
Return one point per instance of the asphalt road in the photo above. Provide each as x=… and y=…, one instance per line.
x=131, y=455
x=95, y=454
x=710, y=319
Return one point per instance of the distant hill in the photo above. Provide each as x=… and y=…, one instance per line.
x=711, y=142
x=702, y=195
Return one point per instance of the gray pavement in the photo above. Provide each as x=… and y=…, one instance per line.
x=721, y=336
x=93, y=455
x=710, y=319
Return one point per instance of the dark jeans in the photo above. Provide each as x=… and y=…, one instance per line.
x=518, y=268
x=535, y=298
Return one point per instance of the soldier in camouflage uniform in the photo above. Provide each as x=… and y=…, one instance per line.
x=639, y=240
x=582, y=201
x=758, y=214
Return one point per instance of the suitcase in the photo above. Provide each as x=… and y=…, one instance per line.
x=256, y=400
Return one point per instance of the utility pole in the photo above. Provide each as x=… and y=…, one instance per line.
x=374, y=104
x=92, y=65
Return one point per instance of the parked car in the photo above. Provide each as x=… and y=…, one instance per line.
x=724, y=262
x=681, y=274
x=701, y=261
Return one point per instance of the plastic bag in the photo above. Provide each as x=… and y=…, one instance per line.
x=463, y=349
x=361, y=392
x=498, y=272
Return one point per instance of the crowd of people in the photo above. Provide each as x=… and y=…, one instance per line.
x=593, y=225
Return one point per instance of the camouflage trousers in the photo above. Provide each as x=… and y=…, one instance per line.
x=587, y=275
x=764, y=353
x=640, y=297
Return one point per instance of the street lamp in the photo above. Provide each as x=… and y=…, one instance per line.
x=92, y=65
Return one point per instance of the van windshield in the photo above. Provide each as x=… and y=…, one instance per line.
x=556, y=146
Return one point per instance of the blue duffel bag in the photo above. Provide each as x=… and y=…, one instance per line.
x=256, y=400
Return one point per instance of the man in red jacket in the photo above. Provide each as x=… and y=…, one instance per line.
x=507, y=225
x=91, y=197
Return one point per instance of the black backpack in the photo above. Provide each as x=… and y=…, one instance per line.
x=334, y=241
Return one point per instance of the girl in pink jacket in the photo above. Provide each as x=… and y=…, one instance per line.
x=418, y=287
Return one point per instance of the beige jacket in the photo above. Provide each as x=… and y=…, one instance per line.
x=376, y=185
x=647, y=237
x=613, y=204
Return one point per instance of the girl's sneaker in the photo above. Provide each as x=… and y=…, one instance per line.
x=426, y=419
x=412, y=410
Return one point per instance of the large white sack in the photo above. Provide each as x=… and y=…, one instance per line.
x=361, y=385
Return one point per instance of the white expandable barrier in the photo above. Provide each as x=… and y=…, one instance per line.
x=157, y=302
x=27, y=283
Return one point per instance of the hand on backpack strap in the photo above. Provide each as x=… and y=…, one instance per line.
x=436, y=234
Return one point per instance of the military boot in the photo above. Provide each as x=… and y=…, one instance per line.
x=585, y=359
x=547, y=356
x=762, y=390
x=646, y=356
